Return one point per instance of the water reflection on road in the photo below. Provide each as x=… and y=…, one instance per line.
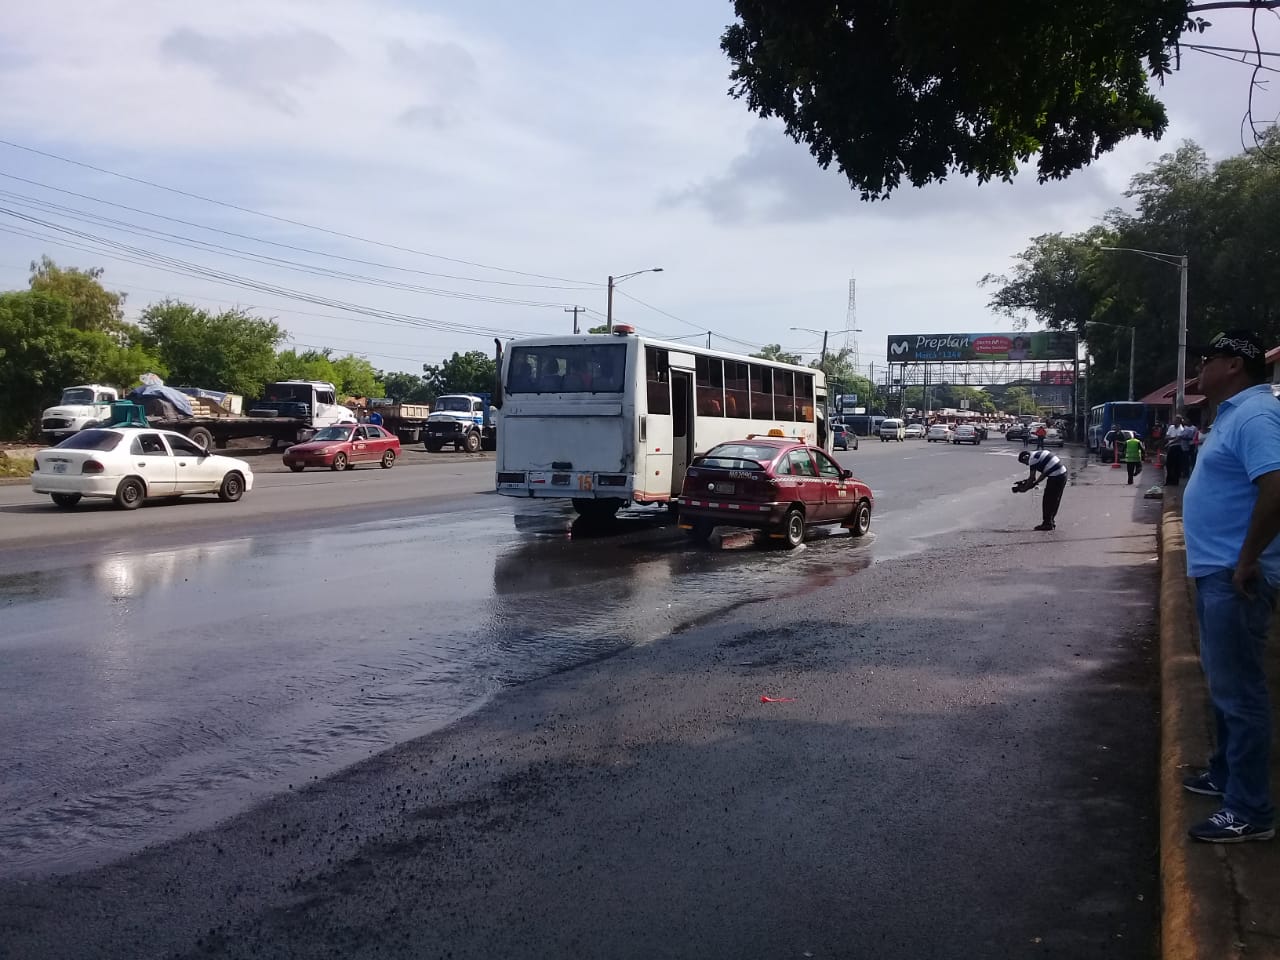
x=146, y=694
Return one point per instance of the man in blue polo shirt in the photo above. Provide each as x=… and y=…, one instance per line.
x=1231, y=515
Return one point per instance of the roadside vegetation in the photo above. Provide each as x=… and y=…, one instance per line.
x=11, y=467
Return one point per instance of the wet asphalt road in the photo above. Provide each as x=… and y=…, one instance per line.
x=970, y=747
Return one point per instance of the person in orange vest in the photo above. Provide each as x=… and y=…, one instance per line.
x=1041, y=433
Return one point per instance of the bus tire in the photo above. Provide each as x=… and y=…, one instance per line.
x=602, y=509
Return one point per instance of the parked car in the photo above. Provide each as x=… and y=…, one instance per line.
x=342, y=446
x=776, y=484
x=842, y=437
x=892, y=429
x=131, y=464
x=966, y=433
x=914, y=431
x=939, y=431
x=1053, y=438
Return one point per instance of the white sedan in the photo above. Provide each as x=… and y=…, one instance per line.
x=915, y=431
x=130, y=464
x=941, y=432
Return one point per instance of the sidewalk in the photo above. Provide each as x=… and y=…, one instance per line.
x=1220, y=901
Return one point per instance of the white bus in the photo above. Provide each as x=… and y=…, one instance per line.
x=610, y=420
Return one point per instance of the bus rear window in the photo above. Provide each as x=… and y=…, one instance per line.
x=567, y=368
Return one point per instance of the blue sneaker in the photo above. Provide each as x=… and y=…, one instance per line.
x=1225, y=827
x=1202, y=785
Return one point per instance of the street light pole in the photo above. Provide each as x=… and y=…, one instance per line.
x=1179, y=261
x=1180, y=397
x=613, y=282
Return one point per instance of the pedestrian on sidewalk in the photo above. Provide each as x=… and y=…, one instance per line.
x=1177, y=451
x=1133, y=457
x=1231, y=515
x=1054, y=473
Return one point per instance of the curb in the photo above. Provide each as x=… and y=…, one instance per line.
x=1197, y=895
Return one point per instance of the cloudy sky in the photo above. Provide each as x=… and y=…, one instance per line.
x=405, y=179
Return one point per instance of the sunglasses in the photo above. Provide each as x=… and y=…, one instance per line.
x=1214, y=356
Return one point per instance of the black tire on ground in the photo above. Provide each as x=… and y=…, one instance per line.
x=65, y=500
x=434, y=446
x=296, y=467
x=472, y=442
x=232, y=488
x=701, y=531
x=793, y=528
x=489, y=443
x=388, y=460
x=130, y=493
x=861, y=519
x=201, y=437
x=339, y=462
x=602, y=509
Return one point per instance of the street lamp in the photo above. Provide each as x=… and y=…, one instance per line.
x=1132, y=338
x=1179, y=261
x=613, y=282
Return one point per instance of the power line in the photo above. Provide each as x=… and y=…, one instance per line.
x=181, y=268
x=279, y=219
x=272, y=243
x=704, y=330
x=236, y=254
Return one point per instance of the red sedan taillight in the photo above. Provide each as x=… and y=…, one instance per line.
x=92, y=466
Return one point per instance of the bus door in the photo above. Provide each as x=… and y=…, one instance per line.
x=681, y=426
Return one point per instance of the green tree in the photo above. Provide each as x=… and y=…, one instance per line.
x=407, y=387
x=603, y=328
x=232, y=350
x=468, y=372
x=774, y=351
x=305, y=365
x=1018, y=400
x=356, y=377
x=890, y=90
x=1221, y=216
x=42, y=350
x=93, y=306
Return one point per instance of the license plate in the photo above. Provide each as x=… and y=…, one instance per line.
x=560, y=478
x=722, y=488
x=59, y=468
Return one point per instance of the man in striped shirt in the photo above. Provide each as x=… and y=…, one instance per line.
x=1054, y=473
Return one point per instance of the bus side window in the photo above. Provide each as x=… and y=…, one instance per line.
x=761, y=392
x=657, y=380
x=784, y=395
x=737, y=400
x=804, y=397
x=709, y=382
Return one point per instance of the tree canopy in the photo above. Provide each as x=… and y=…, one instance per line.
x=905, y=90
x=93, y=306
x=232, y=350
x=1221, y=215
x=469, y=372
x=774, y=351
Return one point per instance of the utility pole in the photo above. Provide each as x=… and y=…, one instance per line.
x=575, y=311
x=708, y=339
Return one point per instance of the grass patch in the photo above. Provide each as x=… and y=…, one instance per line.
x=16, y=466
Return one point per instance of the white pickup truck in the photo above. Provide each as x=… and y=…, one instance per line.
x=84, y=406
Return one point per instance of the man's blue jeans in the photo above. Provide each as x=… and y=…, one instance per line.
x=1233, y=640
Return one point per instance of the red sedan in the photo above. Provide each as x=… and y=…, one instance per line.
x=342, y=446
x=777, y=484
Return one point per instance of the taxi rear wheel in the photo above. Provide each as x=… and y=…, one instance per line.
x=860, y=522
x=793, y=528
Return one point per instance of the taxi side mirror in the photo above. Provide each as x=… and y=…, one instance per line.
x=846, y=474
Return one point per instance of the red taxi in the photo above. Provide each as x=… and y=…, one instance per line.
x=777, y=484
x=342, y=446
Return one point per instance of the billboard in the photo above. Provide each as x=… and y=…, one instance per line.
x=1060, y=378
x=1034, y=345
